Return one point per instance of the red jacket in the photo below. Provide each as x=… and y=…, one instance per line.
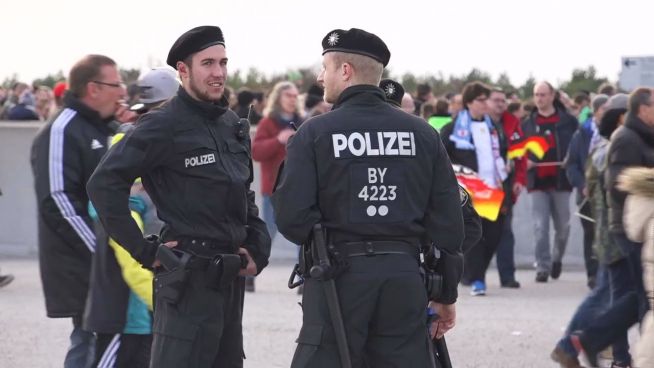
x=513, y=132
x=267, y=150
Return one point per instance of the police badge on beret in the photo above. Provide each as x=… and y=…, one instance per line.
x=356, y=41
x=393, y=91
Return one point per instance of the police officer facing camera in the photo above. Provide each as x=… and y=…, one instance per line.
x=193, y=155
x=379, y=181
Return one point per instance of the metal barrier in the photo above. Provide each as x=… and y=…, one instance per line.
x=18, y=217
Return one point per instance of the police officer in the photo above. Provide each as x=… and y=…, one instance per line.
x=193, y=155
x=379, y=180
x=393, y=91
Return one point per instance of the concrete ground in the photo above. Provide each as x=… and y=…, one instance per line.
x=506, y=328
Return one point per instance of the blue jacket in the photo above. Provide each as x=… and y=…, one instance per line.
x=22, y=112
x=575, y=161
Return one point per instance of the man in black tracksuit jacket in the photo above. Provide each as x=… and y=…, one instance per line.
x=193, y=155
x=64, y=154
x=378, y=180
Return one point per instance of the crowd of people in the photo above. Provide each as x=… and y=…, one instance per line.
x=600, y=144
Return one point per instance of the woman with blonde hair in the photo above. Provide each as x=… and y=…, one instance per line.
x=281, y=117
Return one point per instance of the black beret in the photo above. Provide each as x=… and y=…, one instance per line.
x=197, y=39
x=356, y=41
x=245, y=97
x=393, y=91
x=316, y=90
x=314, y=96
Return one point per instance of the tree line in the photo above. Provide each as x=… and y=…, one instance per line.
x=582, y=79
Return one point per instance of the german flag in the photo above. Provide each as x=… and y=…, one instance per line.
x=487, y=201
x=535, y=144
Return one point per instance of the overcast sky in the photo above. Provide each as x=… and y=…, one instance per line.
x=545, y=38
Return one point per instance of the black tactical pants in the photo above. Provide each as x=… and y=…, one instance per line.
x=479, y=257
x=383, y=302
x=203, y=329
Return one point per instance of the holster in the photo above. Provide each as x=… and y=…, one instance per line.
x=169, y=283
x=222, y=271
x=429, y=269
x=433, y=283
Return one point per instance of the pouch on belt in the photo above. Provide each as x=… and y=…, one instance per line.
x=223, y=269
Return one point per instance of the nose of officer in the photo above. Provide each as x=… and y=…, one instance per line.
x=219, y=71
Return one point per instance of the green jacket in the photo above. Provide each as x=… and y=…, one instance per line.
x=606, y=250
x=438, y=122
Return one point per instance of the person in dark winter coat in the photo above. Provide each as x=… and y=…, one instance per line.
x=631, y=145
x=575, y=166
x=611, y=259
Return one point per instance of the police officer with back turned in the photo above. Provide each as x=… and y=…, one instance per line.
x=193, y=155
x=379, y=182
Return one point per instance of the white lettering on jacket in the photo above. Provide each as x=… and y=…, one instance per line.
x=200, y=160
x=370, y=144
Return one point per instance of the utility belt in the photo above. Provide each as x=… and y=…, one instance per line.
x=373, y=248
x=205, y=248
x=339, y=253
x=170, y=282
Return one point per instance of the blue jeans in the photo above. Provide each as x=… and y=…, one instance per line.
x=595, y=303
x=505, y=251
x=628, y=302
x=268, y=216
x=81, y=352
x=592, y=306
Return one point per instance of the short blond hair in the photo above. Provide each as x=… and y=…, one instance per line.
x=367, y=70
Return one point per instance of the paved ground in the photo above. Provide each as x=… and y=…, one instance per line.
x=507, y=328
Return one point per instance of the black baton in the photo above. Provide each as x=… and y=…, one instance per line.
x=320, y=271
x=443, y=354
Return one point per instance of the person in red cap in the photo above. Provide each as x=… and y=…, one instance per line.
x=59, y=90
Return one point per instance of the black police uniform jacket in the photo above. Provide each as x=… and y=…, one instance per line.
x=369, y=171
x=194, y=161
x=64, y=154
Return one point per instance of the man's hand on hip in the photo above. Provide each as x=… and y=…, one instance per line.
x=251, y=269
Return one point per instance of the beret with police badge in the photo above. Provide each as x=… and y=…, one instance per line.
x=356, y=41
x=393, y=91
x=194, y=40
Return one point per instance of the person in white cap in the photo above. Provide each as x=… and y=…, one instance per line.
x=155, y=87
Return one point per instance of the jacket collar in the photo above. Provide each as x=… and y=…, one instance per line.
x=207, y=109
x=645, y=131
x=89, y=114
x=558, y=112
x=360, y=93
